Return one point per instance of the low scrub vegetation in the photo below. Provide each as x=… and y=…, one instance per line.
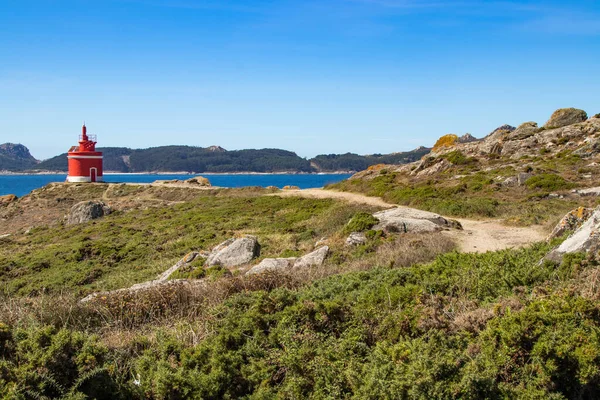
x=550, y=182
x=466, y=191
x=136, y=244
x=493, y=325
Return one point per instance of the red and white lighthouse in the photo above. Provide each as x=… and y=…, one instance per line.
x=85, y=163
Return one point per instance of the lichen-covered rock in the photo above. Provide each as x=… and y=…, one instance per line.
x=584, y=239
x=86, y=211
x=493, y=143
x=272, y=264
x=445, y=141
x=396, y=216
x=440, y=166
x=571, y=221
x=235, y=252
x=467, y=138
x=198, y=181
x=525, y=130
x=7, y=199
x=356, y=239
x=313, y=259
x=565, y=116
x=291, y=187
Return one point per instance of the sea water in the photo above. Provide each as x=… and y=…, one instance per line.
x=20, y=185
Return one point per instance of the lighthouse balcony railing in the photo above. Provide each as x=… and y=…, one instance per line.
x=91, y=138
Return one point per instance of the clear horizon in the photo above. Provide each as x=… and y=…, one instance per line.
x=313, y=77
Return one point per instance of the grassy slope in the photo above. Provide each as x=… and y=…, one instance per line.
x=473, y=188
x=135, y=245
x=378, y=321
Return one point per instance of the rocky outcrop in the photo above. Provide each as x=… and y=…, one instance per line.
x=594, y=191
x=440, y=166
x=584, y=239
x=272, y=264
x=356, y=239
x=316, y=258
x=388, y=216
x=408, y=220
x=291, y=187
x=86, y=211
x=467, y=138
x=444, y=142
x=235, y=252
x=564, y=117
x=493, y=143
x=571, y=221
x=7, y=199
x=198, y=181
x=524, y=131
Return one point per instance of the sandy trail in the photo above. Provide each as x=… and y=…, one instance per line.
x=476, y=236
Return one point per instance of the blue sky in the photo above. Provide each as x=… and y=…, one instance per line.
x=328, y=76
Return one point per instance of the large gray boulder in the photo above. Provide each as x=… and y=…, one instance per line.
x=584, y=239
x=315, y=258
x=272, y=264
x=235, y=252
x=571, y=221
x=408, y=220
x=565, y=116
x=86, y=211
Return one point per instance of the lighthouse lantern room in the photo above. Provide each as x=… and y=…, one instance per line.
x=85, y=163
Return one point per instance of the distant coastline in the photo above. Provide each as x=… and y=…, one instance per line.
x=7, y=173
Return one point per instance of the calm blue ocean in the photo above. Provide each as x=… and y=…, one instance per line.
x=22, y=184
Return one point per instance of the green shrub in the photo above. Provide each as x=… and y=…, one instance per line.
x=549, y=182
x=457, y=157
x=360, y=222
x=41, y=362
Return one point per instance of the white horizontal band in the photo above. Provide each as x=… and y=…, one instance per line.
x=86, y=157
x=83, y=179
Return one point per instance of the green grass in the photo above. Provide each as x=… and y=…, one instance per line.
x=129, y=247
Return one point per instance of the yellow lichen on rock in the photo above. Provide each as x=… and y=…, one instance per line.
x=199, y=180
x=376, y=167
x=445, y=141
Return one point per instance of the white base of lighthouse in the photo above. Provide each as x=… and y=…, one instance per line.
x=83, y=179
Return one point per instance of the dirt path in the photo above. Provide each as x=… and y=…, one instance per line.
x=476, y=236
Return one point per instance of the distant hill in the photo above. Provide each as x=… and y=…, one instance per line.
x=191, y=159
x=355, y=162
x=217, y=159
x=16, y=157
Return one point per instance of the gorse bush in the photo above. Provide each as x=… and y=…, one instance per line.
x=360, y=222
x=457, y=157
x=493, y=325
x=548, y=182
